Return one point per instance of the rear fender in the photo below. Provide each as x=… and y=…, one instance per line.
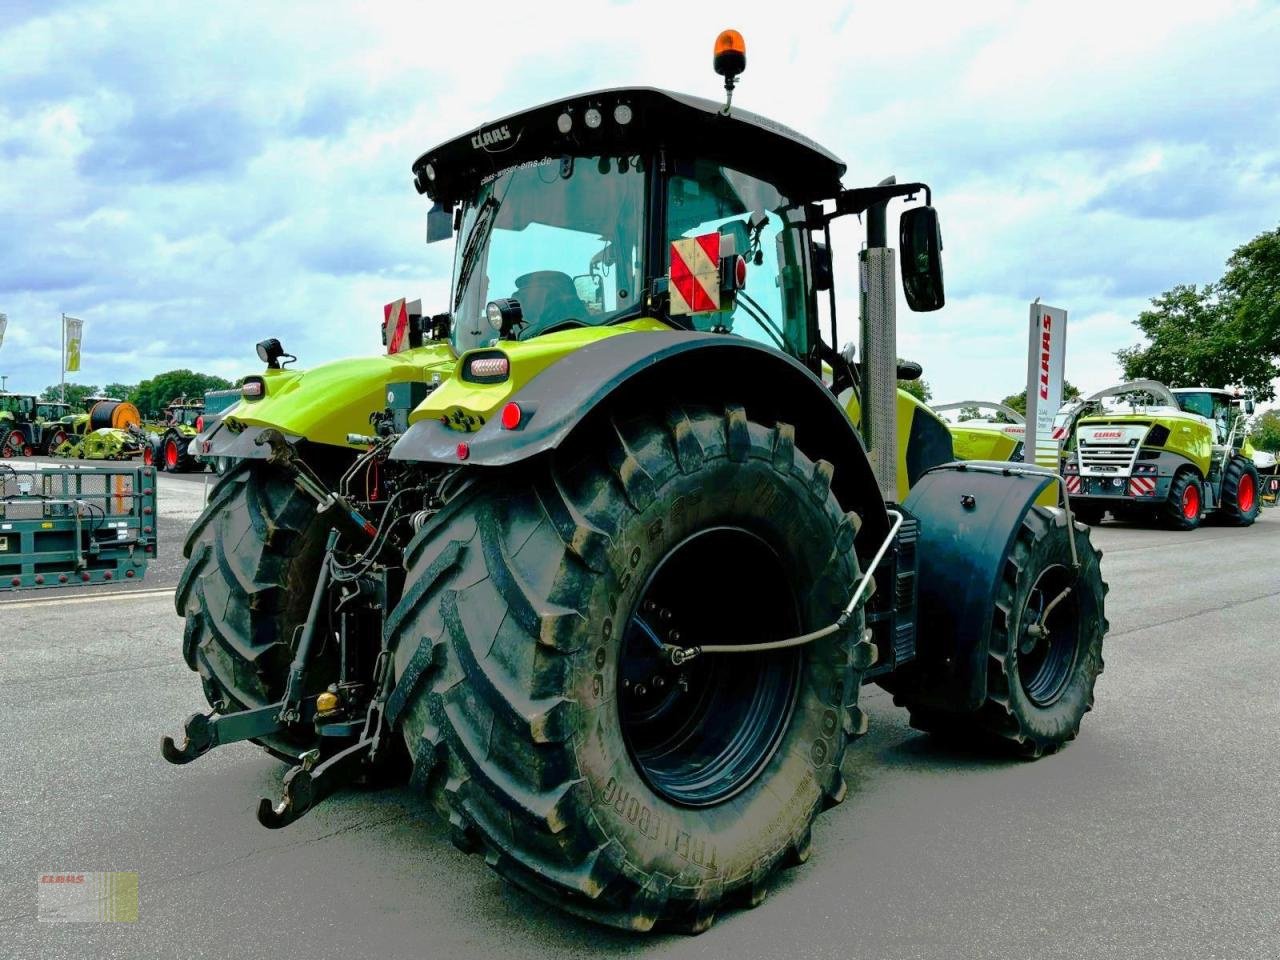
x=968, y=522
x=654, y=369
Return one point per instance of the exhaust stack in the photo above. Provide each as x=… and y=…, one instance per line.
x=879, y=334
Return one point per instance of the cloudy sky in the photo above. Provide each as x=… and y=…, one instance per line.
x=191, y=181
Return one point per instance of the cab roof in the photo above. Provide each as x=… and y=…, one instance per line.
x=682, y=125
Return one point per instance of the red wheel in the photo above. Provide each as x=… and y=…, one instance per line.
x=57, y=440
x=170, y=455
x=15, y=445
x=1246, y=493
x=1191, y=501
x=148, y=457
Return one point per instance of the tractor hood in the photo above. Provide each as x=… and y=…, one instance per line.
x=327, y=402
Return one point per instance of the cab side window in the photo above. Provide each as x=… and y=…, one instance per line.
x=765, y=229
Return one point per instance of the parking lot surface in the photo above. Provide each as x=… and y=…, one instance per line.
x=1155, y=834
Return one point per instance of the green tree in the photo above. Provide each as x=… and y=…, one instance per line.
x=1252, y=291
x=1266, y=432
x=1018, y=401
x=76, y=392
x=121, y=390
x=919, y=389
x=1226, y=332
x=153, y=395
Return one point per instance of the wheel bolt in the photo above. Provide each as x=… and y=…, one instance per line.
x=659, y=683
x=674, y=637
x=641, y=690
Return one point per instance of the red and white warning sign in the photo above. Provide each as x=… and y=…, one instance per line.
x=395, y=323
x=1142, y=486
x=695, y=273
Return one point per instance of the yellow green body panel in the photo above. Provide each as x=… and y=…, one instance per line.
x=327, y=402
x=909, y=407
x=986, y=439
x=468, y=406
x=1190, y=436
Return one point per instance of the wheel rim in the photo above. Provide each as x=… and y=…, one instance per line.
x=1046, y=662
x=170, y=454
x=147, y=455
x=1247, y=493
x=1191, y=501
x=701, y=733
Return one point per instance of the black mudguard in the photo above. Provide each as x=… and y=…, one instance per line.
x=661, y=368
x=968, y=522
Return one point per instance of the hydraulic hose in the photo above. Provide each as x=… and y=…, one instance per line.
x=682, y=655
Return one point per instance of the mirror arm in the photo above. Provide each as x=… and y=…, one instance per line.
x=860, y=199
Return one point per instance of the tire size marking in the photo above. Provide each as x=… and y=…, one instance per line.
x=631, y=810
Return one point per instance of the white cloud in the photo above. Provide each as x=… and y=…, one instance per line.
x=192, y=181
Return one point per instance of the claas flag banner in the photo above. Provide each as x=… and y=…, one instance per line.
x=75, y=329
x=4, y=322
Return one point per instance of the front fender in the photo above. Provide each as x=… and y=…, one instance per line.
x=969, y=514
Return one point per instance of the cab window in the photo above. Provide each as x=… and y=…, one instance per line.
x=766, y=230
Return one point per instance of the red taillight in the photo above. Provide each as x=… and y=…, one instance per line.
x=740, y=272
x=512, y=415
x=200, y=424
x=464, y=450
x=251, y=388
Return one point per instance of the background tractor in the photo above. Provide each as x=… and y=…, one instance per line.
x=29, y=426
x=1144, y=452
x=596, y=553
x=168, y=444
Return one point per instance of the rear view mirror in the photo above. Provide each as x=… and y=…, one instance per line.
x=920, y=244
x=1248, y=407
x=820, y=264
x=439, y=224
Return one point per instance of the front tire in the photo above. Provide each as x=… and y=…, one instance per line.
x=1184, y=507
x=1241, y=484
x=521, y=642
x=1039, y=687
x=253, y=557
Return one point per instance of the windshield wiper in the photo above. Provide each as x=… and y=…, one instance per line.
x=475, y=242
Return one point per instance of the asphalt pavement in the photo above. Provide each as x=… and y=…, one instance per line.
x=1155, y=834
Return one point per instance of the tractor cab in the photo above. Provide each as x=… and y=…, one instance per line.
x=19, y=406
x=1220, y=407
x=637, y=203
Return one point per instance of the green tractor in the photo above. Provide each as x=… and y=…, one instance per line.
x=595, y=556
x=1144, y=452
x=17, y=425
x=169, y=447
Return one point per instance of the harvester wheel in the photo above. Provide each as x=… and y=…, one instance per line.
x=1240, y=487
x=1041, y=671
x=1184, y=507
x=253, y=557
x=545, y=721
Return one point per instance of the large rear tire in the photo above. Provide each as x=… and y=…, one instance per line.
x=253, y=557
x=1039, y=687
x=1241, y=489
x=175, y=453
x=527, y=629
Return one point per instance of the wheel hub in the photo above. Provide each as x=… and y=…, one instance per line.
x=699, y=733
